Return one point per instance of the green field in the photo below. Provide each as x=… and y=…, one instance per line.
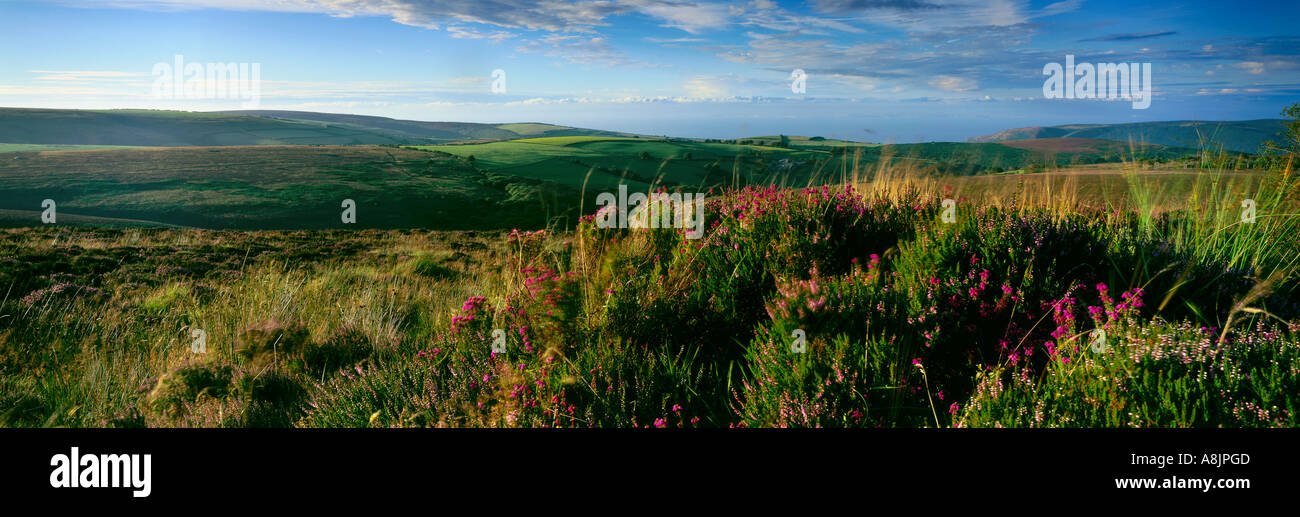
x=984, y=321
x=914, y=316
x=266, y=187
x=526, y=183
x=602, y=163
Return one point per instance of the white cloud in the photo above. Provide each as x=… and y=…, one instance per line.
x=464, y=33
x=953, y=83
x=579, y=49
x=705, y=87
x=1251, y=67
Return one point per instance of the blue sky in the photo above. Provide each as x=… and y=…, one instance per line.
x=877, y=70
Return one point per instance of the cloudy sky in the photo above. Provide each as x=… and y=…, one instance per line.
x=876, y=70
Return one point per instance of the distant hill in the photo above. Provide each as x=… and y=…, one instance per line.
x=436, y=131
x=968, y=158
x=156, y=128
x=1241, y=136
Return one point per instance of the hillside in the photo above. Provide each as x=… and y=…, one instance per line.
x=1242, y=136
x=437, y=131
x=152, y=128
x=264, y=187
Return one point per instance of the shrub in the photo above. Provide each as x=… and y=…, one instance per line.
x=1154, y=375
x=271, y=340
x=178, y=390
x=343, y=347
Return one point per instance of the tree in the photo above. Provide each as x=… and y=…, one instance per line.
x=1290, y=136
x=785, y=141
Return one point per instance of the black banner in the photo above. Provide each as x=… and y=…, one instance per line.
x=306, y=468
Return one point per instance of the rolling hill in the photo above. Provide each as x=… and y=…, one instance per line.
x=432, y=131
x=1241, y=136
x=152, y=128
x=264, y=187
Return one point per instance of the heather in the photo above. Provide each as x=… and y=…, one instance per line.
x=1029, y=310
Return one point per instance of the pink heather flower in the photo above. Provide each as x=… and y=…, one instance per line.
x=661, y=423
x=952, y=410
x=677, y=408
x=916, y=362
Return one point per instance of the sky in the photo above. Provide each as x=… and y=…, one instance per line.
x=874, y=70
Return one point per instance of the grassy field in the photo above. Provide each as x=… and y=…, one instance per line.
x=266, y=187
x=797, y=161
x=989, y=320
x=834, y=285
x=529, y=183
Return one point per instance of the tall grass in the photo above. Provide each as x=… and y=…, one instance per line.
x=909, y=320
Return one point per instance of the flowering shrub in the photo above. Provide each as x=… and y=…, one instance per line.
x=1153, y=375
x=849, y=374
x=64, y=291
x=994, y=319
